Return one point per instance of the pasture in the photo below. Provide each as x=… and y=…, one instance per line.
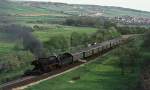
x=6, y=47
x=62, y=30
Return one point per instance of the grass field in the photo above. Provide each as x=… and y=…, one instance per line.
x=34, y=19
x=103, y=74
x=62, y=30
x=6, y=47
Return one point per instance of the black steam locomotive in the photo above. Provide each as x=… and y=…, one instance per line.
x=44, y=65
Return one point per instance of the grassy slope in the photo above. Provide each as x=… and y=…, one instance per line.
x=52, y=12
x=117, y=11
x=22, y=12
x=14, y=8
x=57, y=9
x=103, y=74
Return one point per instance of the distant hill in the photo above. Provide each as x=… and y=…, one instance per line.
x=62, y=9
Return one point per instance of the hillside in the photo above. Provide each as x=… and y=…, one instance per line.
x=50, y=12
x=61, y=9
x=15, y=8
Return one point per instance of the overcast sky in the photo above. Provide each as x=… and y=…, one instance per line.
x=134, y=4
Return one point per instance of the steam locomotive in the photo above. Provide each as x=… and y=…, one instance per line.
x=44, y=65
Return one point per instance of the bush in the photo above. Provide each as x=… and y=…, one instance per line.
x=15, y=60
x=89, y=22
x=104, y=34
x=146, y=42
x=129, y=57
x=57, y=43
x=77, y=39
x=132, y=30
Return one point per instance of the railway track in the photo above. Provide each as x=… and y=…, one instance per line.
x=30, y=79
x=13, y=85
x=53, y=76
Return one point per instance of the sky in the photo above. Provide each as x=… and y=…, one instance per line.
x=133, y=4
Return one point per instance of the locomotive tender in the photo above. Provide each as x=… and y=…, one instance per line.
x=44, y=65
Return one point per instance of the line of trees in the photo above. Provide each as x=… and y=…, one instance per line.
x=135, y=55
x=146, y=42
x=132, y=30
x=105, y=23
x=89, y=22
x=60, y=43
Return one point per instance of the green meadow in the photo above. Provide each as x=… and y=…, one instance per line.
x=62, y=30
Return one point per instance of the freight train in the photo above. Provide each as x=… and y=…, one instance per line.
x=45, y=65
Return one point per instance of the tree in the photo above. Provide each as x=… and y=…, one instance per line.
x=113, y=32
x=146, y=42
x=84, y=39
x=108, y=24
x=100, y=35
x=57, y=43
x=129, y=57
x=36, y=27
x=75, y=39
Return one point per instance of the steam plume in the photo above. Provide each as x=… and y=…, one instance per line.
x=15, y=32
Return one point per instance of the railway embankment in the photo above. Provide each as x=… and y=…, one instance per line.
x=102, y=74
